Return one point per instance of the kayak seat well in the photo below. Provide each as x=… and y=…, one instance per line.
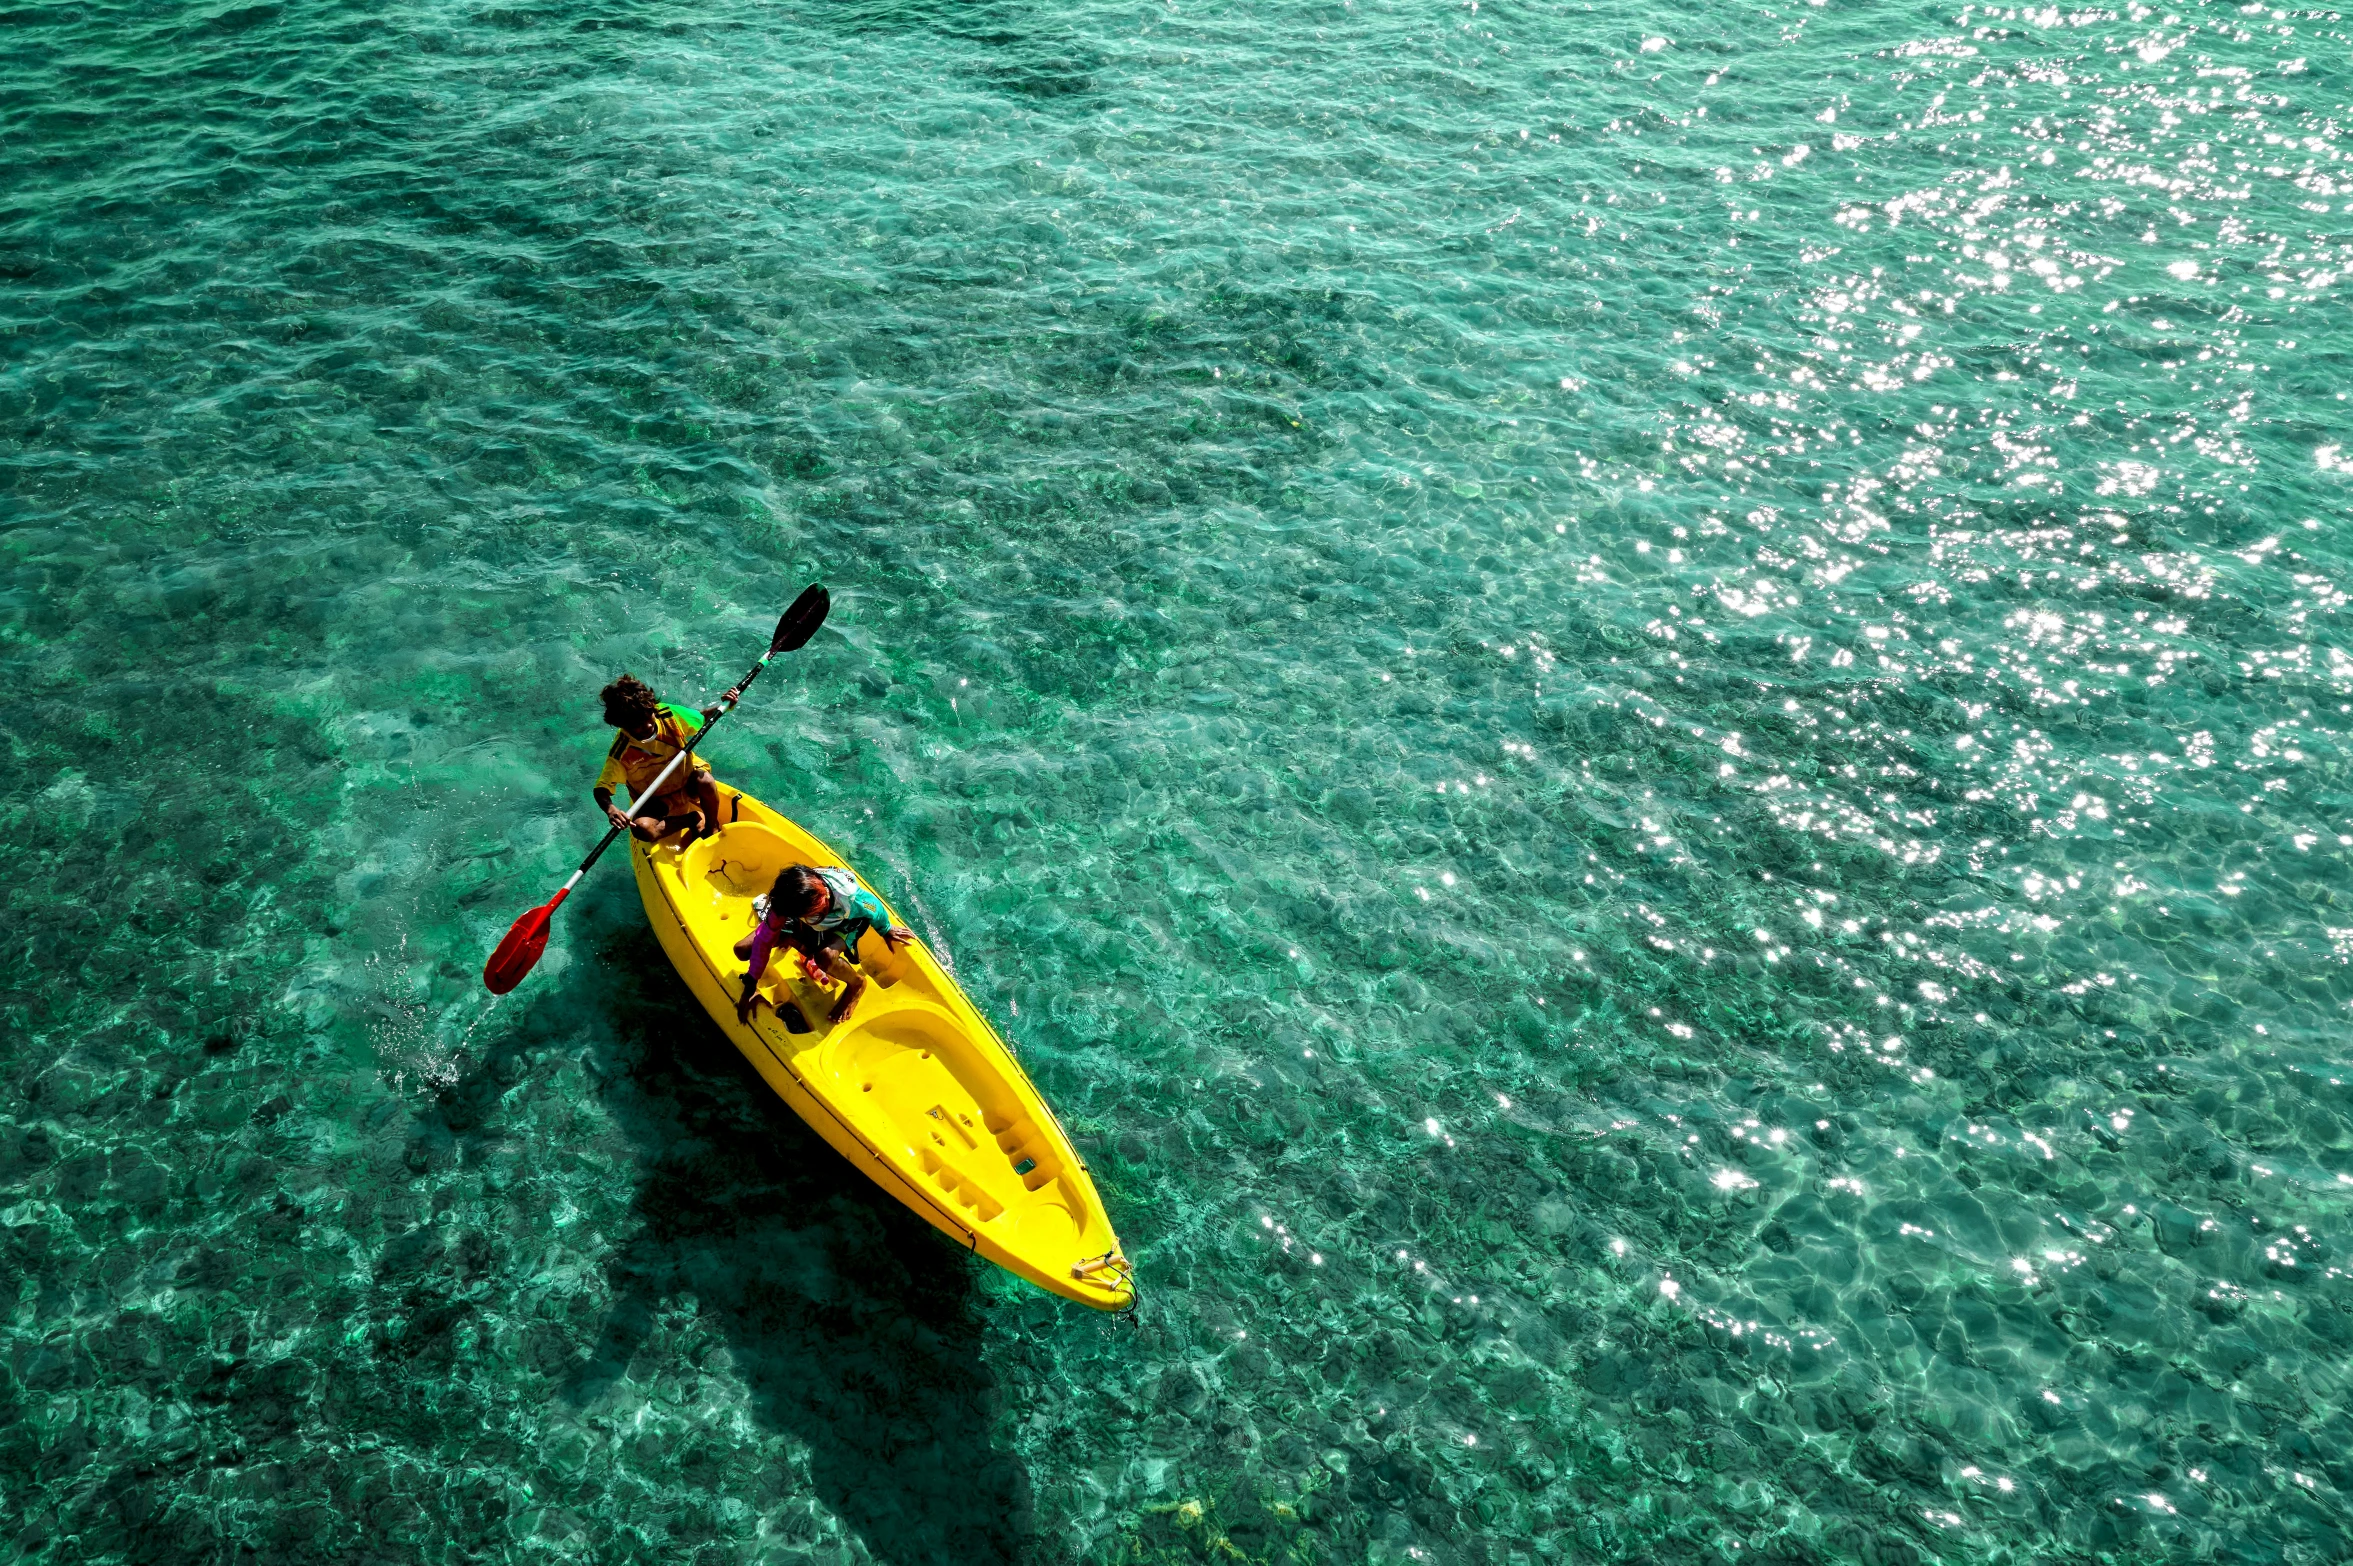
x=741, y=863
x=919, y=1083
x=1030, y=1155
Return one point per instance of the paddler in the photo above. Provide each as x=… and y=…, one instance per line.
x=820, y=914
x=647, y=733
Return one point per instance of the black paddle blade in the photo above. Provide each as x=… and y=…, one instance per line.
x=800, y=622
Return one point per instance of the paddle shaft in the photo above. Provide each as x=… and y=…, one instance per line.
x=727, y=704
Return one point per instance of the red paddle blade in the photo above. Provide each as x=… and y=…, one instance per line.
x=519, y=953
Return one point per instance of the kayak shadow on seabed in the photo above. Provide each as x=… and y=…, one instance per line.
x=851, y=1324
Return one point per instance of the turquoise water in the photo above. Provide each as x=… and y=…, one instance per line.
x=1640, y=711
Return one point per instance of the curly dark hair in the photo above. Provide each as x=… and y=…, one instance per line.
x=629, y=703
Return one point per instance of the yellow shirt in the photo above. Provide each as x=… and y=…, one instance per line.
x=637, y=762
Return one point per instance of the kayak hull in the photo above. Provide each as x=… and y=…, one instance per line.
x=913, y=1087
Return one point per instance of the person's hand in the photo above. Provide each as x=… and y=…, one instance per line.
x=618, y=816
x=897, y=936
x=743, y=1009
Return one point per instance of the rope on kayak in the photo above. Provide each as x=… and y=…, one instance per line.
x=1109, y=1270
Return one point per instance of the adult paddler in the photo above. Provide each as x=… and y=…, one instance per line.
x=647, y=733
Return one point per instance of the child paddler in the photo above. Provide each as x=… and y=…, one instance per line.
x=647, y=733
x=820, y=914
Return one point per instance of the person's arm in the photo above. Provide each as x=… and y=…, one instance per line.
x=609, y=777
x=764, y=938
x=870, y=909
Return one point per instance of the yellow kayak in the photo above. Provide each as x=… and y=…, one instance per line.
x=913, y=1087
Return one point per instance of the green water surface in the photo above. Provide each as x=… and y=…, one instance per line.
x=1640, y=710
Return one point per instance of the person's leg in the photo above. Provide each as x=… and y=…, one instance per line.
x=657, y=819
x=810, y=955
x=706, y=795
x=853, y=984
x=823, y=959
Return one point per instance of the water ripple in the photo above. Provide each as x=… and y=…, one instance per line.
x=1640, y=714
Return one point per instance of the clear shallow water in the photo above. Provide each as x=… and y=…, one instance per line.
x=1640, y=712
